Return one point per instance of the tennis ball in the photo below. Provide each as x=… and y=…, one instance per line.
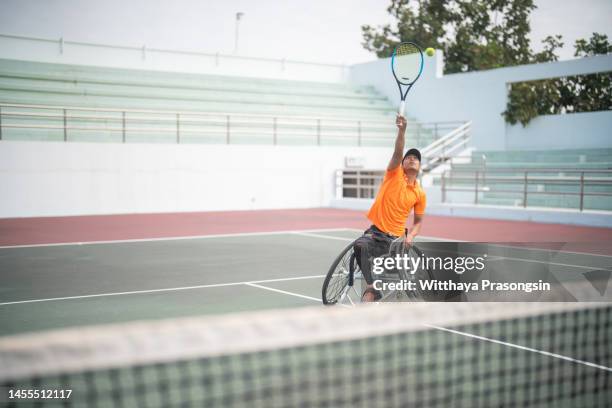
x=430, y=52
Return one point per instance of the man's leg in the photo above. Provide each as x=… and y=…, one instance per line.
x=368, y=247
x=363, y=258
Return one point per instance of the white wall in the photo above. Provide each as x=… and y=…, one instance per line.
x=106, y=55
x=481, y=97
x=49, y=178
x=591, y=130
x=589, y=218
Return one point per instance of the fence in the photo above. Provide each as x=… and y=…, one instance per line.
x=220, y=126
x=446, y=147
x=66, y=51
x=570, y=178
x=360, y=183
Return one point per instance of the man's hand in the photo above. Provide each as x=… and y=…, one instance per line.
x=408, y=240
x=401, y=123
x=416, y=228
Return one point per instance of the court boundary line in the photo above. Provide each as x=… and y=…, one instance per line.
x=591, y=268
x=494, y=257
x=176, y=289
x=517, y=346
x=501, y=246
x=310, y=234
x=284, y=292
x=174, y=238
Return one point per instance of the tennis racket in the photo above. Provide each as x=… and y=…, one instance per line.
x=406, y=65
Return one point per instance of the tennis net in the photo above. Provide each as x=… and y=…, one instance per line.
x=390, y=355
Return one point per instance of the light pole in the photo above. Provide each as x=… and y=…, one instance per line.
x=238, y=17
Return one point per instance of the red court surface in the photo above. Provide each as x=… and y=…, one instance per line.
x=48, y=230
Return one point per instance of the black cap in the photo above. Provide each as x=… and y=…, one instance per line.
x=413, y=152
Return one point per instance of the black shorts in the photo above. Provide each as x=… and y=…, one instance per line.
x=372, y=244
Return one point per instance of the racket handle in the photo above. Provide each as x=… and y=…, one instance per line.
x=401, y=108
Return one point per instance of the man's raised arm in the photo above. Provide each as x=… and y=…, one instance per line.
x=398, y=153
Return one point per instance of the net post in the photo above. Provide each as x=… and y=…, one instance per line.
x=358, y=133
x=476, y=187
x=318, y=132
x=178, y=132
x=484, y=169
x=581, y=190
x=274, y=135
x=65, y=123
x=227, y=129
x=525, y=191
x=123, y=127
x=444, y=186
x=0, y=122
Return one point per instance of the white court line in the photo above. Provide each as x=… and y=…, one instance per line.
x=137, y=292
x=419, y=236
x=122, y=241
x=492, y=258
x=545, y=353
x=282, y=291
x=547, y=250
x=502, y=246
x=308, y=234
x=551, y=263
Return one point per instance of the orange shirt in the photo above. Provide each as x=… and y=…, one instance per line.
x=394, y=201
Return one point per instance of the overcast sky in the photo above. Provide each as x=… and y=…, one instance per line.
x=315, y=30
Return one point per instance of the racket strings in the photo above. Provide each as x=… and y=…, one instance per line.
x=407, y=62
x=406, y=49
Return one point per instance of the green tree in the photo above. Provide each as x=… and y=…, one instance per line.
x=597, y=45
x=474, y=35
x=486, y=34
x=551, y=44
x=581, y=93
x=593, y=92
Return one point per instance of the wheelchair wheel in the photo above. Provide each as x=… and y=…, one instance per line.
x=340, y=276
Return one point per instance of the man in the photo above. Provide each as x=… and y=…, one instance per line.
x=399, y=194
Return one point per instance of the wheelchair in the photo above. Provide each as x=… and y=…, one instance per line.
x=345, y=284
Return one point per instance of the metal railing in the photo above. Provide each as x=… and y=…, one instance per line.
x=482, y=180
x=446, y=147
x=143, y=50
x=223, y=125
x=362, y=183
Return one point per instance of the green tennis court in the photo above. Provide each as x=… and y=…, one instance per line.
x=175, y=301
x=53, y=286
x=47, y=287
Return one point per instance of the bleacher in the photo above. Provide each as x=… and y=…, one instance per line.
x=555, y=178
x=151, y=106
